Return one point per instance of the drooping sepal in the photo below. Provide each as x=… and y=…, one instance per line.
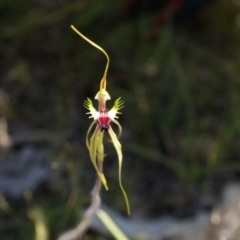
x=118, y=148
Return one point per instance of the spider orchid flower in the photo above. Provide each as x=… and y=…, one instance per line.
x=102, y=119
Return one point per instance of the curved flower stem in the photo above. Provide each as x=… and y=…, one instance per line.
x=82, y=227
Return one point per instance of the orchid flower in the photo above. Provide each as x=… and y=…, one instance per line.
x=102, y=119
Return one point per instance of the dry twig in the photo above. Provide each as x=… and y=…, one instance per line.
x=82, y=227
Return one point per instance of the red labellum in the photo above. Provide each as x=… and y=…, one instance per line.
x=104, y=121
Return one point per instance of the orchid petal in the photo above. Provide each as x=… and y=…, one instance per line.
x=118, y=148
x=119, y=128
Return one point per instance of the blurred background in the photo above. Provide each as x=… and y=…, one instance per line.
x=175, y=63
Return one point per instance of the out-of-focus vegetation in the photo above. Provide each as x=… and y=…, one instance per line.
x=181, y=120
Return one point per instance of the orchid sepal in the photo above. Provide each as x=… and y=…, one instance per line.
x=96, y=153
x=118, y=148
